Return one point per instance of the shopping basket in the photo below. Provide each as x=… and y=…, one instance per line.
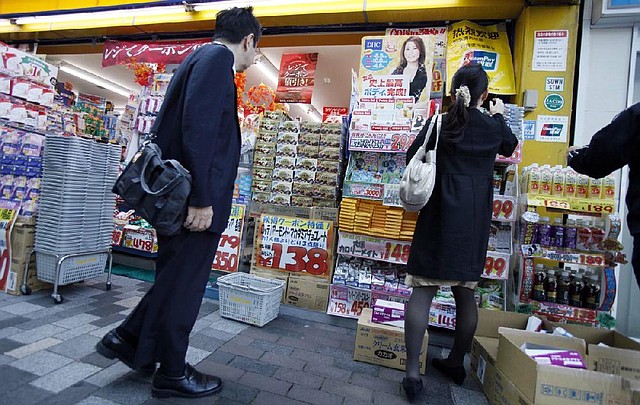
x=250, y=299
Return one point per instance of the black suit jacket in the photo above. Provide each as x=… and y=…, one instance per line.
x=198, y=126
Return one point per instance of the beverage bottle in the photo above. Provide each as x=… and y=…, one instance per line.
x=539, y=282
x=584, y=236
x=609, y=187
x=497, y=182
x=557, y=234
x=592, y=295
x=570, y=182
x=585, y=286
x=551, y=286
x=575, y=290
x=570, y=235
x=558, y=179
x=595, y=188
x=534, y=179
x=546, y=180
x=582, y=186
x=544, y=232
x=563, y=288
x=597, y=236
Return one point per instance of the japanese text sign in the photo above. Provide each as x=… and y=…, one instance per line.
x=122, y=53
x=228, y=253
x=371, y=247
x=296, y=78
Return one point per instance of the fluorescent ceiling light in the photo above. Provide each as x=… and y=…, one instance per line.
x=95, y=79
x=265, y=68
x=221, y=5
x=99, y=15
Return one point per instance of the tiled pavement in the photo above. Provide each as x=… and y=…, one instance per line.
x=47, y=356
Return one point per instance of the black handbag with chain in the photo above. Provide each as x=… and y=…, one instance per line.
x=157, y=189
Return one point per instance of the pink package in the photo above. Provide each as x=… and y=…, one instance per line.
x=388, y=313
x=564, y=358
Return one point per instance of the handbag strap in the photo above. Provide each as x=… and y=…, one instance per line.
x=437, y=122
x=143, y=180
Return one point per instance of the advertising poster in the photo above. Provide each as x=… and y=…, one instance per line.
x=487, y=46
x=228, y=253
x=7, y=218
x=173, y=52
x=551, y=128
x=19, y=63
x=550, y=51
x=334, y=114
x=295, y=245
x=296, y=78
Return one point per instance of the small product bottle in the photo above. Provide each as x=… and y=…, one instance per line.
x=570, y=180
x=544, y=232
x=597, y=236
x=497, y=181
x=584, y=236
x=592, y=294
x=558, y=181
x=586, y=277
x=570, y=235
x=595, y=188
x=582, y=186
x=546, y=180
x=551, y=288
x=609, y=187
x=534, y=179
x=539, y=282
x=563, y=288
x=575, y=290
x=557, y=234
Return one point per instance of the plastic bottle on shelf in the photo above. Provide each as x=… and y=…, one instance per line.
x=592, y=293
x=558, y=179
x=575, y=290
x=597, y=236
x=544, y=232
x=609, y=187
x=539, y=282
x=533, y=179
x=595, y=188
x=563, y=288
x=557, y=234
x=551, y=286
x=570, y=235
x=582, y=186
x=584, y=236
x=570, y=182
x=546, y=180
x=585, y=286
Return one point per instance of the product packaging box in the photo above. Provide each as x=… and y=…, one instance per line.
x=274, y=275
x=23, y=237
x=552, y=385
x=16, y=278
x=309, y=293
x=384, y=345
x=388, y=313
x=506, y=392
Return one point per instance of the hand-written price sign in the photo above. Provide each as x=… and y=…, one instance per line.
x=362, y=190
x=516, y=156
x=391, y=196
x=371, y=247
x=140, y=239
x=593, y=206
x=442, y=315
x=504, y=208
x=7, y=218
x=380, y=141
x=593, y=259
x=294, y=244
x=496, y=266
x=228, y=253
x=347, y=301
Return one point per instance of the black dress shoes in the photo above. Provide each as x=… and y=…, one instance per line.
x=412, y=387
x=457, y=374
x=193, y=384
x=113, y=346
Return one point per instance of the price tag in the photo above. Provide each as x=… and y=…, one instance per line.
x=589, y=259
x=496, y=266
x=362, y=190
x=391, y=196
x=442, y=315
x=140, y=239
x=228, y=252
x=546, y=201
x=516, y=156
x=371, y=247
x=348, y=302
x=592, y=259
x=593, y=206
x=116, y=236
x=7, y=219
x=504, y=208
x=380, y=141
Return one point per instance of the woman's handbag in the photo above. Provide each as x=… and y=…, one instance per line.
x=419, y=178
x=157, y=189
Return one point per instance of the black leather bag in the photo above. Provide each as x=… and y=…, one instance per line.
x=157, y=189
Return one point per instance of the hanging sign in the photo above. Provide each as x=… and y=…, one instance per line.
x=334, y=114
x=294, y=244
x=550, y=49
x=296, y=78
x=372, y=247
x=174, y=52
x=487, y=46
x=228, y=254
x=8, y=214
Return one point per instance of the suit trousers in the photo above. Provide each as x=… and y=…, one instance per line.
x=635, y=257
x=159, y=326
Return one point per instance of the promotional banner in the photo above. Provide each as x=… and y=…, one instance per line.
x=439, y=35
x=375, y=248
x=296, y=78
x=294, y=244
x=334, y=114
x=174, y=52
x=228, y=253
x=487, y=46
x=19, y=63
x=7, y=218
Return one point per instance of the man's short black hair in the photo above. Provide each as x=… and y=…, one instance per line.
x=234, y=24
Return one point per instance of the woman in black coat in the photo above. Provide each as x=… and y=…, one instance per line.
x=450, y=241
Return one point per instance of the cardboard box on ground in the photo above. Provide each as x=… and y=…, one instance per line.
x=300, y=291
x=22, y=242
x=384, y=345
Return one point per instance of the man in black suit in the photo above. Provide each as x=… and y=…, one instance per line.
x=197, y=126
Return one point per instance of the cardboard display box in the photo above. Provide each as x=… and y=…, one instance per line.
x=16, y=276
x=384, y=345
x=551, y=385
x=23, y=238
x=309, y=293
x=505, y=392
x=274, y=275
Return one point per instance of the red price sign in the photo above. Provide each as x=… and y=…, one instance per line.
x=496, y=266
x=140, y=239
x=296, y=259
x=592, y=260
x=373, y=191
x=442, y=315
x=593, y=206
x=401, y=142
x=503, y=208
x=116, y=237
x=396, y=252
x=228, y=252
x=347, y=301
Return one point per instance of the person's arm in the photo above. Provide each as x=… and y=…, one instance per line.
x=610, y=148
x=203, y=104
x=509, y=140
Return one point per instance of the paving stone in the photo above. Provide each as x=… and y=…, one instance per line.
x=106, y=310
x=344, y=389
x=464, y=396
x=77, y=347
x=347, y=363
x=391, y=374
x=229, y=326
x=267, y=398
x=207, y=307
x=109, y=374
x=34, y=347
x=264, y=383
x=5, y=359
x=39, y=321
x=328, y=371
x=257, y=333
x=216, y=334
x=296, y=377
x=108, y=320
x=297, y=343
x=283, y=332
x=38, y=333
x=221, y=357
x=98, y=360
x=353, y=401
x=253, y=365
x=437, y=393
x=42, y=362
x=9, y=331
x=22, y=308
x=242, y=340
x=131, y=302
x=93, y=400
x=205, y=342
x=270, y=347
x=13, y=378
x=384, y=398
x=65, y=377
x=245, y=351
x=311, y=396
x=128, y=389
x=76, y=321
x=224, y=401
x=283, y=361
x=100, y=332
x=47, y=313
x=334, y=351
x=375, y=383
x=238, y=392
x=7, y=345
x=72, y=333
x=74, y=394
x=223, y=371
x=12, y=320
x=195, y=355
x=25, y=395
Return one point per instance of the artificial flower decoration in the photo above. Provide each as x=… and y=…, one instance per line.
x=144, y=72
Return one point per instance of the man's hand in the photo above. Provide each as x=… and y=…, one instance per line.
x=198, y=218
x=496, y=106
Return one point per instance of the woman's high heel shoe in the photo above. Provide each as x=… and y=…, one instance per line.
x=412, y=387
x=457, y=374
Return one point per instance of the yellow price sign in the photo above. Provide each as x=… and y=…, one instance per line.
x=593, y=206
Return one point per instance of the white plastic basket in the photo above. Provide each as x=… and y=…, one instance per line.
x=72, y=269
x=250, y=299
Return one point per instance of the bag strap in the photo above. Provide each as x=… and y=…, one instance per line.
x=436, y=121
x=438, y=127
x=143, y=181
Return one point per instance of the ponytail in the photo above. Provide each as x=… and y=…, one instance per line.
x=467, y=86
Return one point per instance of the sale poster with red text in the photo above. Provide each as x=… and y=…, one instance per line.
x=7, y=219
x=295, y=245
x=375, y=248
x=228, y=254
x=296, y=78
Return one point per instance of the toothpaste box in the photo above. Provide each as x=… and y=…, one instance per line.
x=388, y=313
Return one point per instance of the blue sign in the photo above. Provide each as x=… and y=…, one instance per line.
x=623, y=3
x=376, y=61
x=488, y=60
x=373, y=44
